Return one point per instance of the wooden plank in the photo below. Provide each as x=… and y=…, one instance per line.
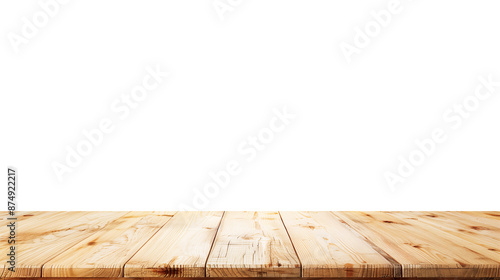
x=467, y=228
x=484, y=217
x=249, y=278
x=45, y=236
x=471, y=240
x=26, y=220
x=179, y=249
x=252, y=244
x=21, y=216
x=327, y=248
x=255, y=244
x=490, y=214
x=104, y=253
x=422, y=250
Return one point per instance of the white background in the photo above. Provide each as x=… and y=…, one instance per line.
x=352, y=120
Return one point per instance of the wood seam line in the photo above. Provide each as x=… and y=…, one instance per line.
x=213, y=242
x=83, y=238
x=291, y=241
x=398, y=268
x=125, y=263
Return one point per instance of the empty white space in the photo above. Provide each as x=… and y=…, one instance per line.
x=352, y=120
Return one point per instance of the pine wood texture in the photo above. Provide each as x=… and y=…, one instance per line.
x=193, y=245
x=105, y=253
x=423, y=250
x=179, y=249
x=328, y=248
x=252, y=244
x=5, y=233
x=46, y=235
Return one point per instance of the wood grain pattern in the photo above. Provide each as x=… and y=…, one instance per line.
x=423, y=250
x=104, y=253
x=252, y=244
x=327, y=248
x=35, y=219
x=481, y=217
x=179, y=249
x=45, y=236
x=467, y=228
x=479, y=214
x=312, y=245
x=5, y=232
x=21, y=215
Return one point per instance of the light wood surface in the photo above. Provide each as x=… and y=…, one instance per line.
x=42, y=237
x=479, y=214
x=5, y=233
x=105, y=253
x=327, y=248
x=315, y=245
x=421, y=249
x=252, y=244
x=467, y=228
x=179, y=249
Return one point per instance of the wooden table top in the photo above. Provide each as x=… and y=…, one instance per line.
x=254, y=244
